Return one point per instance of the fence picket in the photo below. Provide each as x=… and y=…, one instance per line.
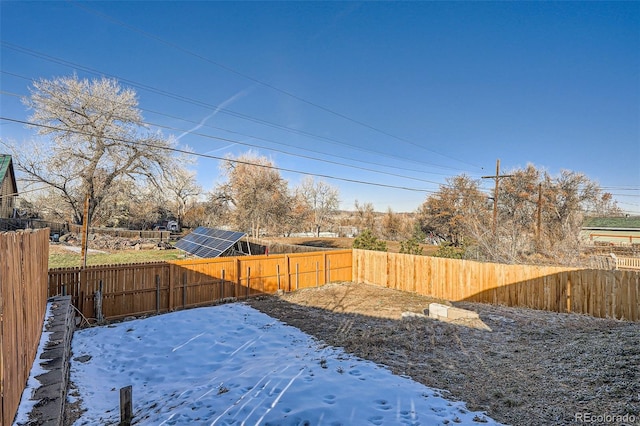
x=23, y=301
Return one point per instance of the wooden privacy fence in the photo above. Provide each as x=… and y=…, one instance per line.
x=600, y=293
x=23, y=301
x=138, y=289
x=161, y=287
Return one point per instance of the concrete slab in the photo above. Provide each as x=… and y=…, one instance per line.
x=457, y=316
x=437, y=310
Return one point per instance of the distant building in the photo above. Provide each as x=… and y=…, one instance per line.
x=612, y=230
x=8, y=187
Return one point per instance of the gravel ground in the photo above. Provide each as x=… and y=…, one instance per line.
x=522, y=366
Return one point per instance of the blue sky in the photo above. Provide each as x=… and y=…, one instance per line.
x=396, y=94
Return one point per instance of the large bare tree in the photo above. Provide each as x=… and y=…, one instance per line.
x=445, y=214
x=539, y=217
x=258, y=196
x=180, y=188
x=92, y=139
x=365, y=216
x=322, y=201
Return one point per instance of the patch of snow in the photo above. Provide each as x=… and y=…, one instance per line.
x=232, y=364
x=26, y=403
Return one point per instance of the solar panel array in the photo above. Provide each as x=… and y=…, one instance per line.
x=208, y=242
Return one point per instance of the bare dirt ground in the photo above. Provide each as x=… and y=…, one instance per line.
x=531, y=368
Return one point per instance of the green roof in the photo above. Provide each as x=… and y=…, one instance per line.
x=612, y=222
x=5, y=160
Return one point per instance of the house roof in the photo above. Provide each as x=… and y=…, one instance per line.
x=6, y=170
x=628, y=222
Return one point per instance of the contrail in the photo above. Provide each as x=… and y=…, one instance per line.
x=220, y=149
x=232, y=99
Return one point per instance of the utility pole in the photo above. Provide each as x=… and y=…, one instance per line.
x=85, y=232
x=497, y=178
x=539, y=218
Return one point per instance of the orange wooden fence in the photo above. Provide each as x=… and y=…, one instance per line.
x=600, y=293
x=139, y=289
x=161, y=287
x=23, y=300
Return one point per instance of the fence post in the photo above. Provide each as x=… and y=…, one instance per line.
x=126, y=405
x=287, y=271
x=157, y=293
x=222, y=286
x=317, y=274
x=97, y=300
x=83, y=284
x=184, y=290
x=278, y=275
x=329, y=270
x=324, y=267
x=172, y=270
x=248, y=282
x=236, y=290
x=568, y=292
x=297, y=276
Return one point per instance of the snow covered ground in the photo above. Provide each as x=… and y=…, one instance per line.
x=27, y=404
x=232, y=364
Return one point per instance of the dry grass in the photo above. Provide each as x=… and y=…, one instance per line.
x=61, y=257
x=342, y=243
x=532, y=368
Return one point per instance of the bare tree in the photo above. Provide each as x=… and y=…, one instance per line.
x=257, y=194
x=216, y=209
x=146, y=206
x=391, y=225
x=180, y=187
x=445, y=213
x=322, y=201
x=365, y=216
x=96, y=140
x=539, y=217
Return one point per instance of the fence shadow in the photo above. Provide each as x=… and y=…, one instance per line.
x=599, y=293
x=116, y=291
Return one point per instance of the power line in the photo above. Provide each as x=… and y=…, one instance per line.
x=203, y=135
x=183, y=151
x=298, y=155
x=200, y=103
x=262, y=83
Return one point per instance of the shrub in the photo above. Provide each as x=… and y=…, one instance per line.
x=411, y=246
x=446, y=249
x=367, y=241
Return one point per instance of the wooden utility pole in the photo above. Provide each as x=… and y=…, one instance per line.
x=497, y=178
x=539, y=216
x=85, y=232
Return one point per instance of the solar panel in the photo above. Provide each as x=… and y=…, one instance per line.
x=208, y=242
